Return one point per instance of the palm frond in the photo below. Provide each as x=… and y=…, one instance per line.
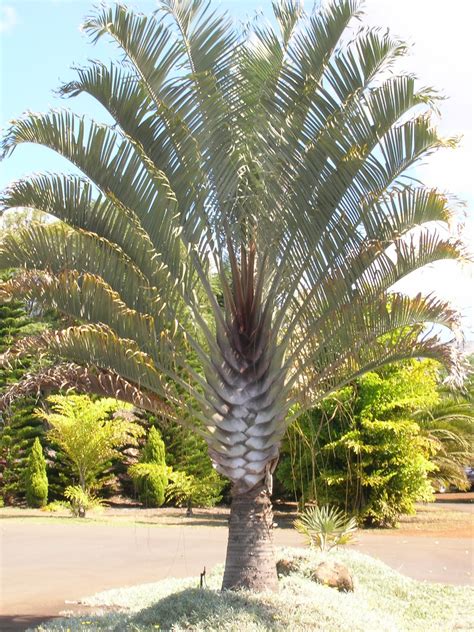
x=234, y=239
x=56, y=247
x=66, y=377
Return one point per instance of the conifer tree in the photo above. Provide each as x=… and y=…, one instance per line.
x=150, y=474
x=36, y=480
x=18, y=428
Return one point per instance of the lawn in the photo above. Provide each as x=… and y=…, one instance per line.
x=436, y=519
x=383, y=601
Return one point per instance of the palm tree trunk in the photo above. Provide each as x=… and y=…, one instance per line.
x=250, y=561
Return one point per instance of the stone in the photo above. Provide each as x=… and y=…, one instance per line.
x=333, y=574
x=287, y=566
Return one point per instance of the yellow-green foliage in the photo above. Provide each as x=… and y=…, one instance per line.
x=89, y=433
x=325, y=527
x=151, y=474
x=185, y=489
x=36, y=480
x=81, y=500
x=361, y=448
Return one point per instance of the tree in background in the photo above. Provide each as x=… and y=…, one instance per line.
x=449, y=425
x=274, y=159
x=20, y=218
x=362, y=450
x=18, y=427
x=150, y=474
x=190, y=490
x=88, y=436
x=188, y=457
x=36, y=480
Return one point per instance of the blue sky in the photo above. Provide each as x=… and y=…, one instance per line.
x=41, y=39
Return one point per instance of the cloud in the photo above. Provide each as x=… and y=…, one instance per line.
x=8, y=18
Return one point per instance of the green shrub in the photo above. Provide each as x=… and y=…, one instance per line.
x=36, y=481
x=89, y=433
x=150, y=480
x=325, y=527
x=186, y=489
x=361, y=450
x=150, y=475
x=81, y=500
x=56, y=505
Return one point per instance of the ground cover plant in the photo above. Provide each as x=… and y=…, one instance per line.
x=382, y=600
x=249, y=208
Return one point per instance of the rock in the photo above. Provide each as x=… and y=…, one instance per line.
x=287, y=566
x=333, y=574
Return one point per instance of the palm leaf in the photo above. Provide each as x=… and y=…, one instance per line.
x=232, y=244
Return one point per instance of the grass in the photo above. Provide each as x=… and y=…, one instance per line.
x=437, y=520
x=137, y=517
x=383, y=601
x=430, y=519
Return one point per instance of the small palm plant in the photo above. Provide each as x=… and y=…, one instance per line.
x=325, y=527
x=82, y=500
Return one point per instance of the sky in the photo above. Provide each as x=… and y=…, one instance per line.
x=41, y=40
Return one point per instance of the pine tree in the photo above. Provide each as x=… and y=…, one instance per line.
x=150, y=474
x=19, y=428
x=36, y=480
x=193, y=480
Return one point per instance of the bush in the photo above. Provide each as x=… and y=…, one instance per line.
x=186, y=489
x=361, y=450
x=89, y=433
x=150, y=475
x=36, y=481
x=150, y=480
x=81, y=500
x=381, y=466
x=56, y=505
x=325, y=527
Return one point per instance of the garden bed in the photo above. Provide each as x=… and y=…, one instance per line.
x=383, y=600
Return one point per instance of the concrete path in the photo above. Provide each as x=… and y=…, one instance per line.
x=46, y=565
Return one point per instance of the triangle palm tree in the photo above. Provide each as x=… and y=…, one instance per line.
x=267, y=164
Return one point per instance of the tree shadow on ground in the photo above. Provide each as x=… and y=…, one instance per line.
x=21, y=622
x=218, y=521
x=208, y=608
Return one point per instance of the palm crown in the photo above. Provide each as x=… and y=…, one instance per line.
x=269, y=164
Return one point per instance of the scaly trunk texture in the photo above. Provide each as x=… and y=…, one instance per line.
x=250, y=561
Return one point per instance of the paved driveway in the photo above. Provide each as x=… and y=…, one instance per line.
x=46, y=565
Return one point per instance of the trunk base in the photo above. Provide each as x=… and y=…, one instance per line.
x=250, y=561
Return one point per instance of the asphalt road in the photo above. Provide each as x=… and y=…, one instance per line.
x=46, y=565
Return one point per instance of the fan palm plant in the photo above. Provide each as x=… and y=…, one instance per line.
x=269, y=163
